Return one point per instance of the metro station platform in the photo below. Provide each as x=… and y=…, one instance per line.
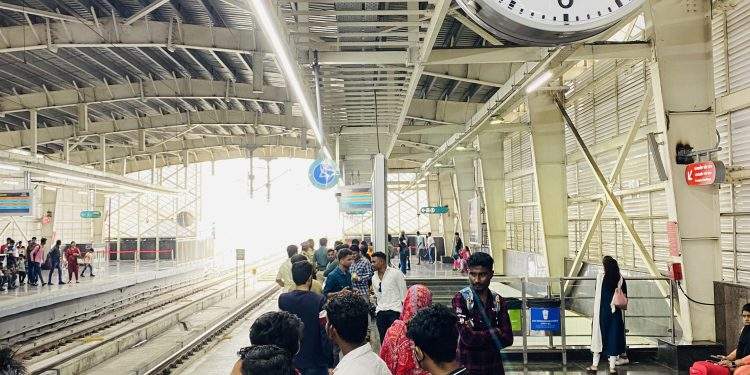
x=110, y=276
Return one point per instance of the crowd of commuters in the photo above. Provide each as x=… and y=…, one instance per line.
x=365, y=321
x=28, y=264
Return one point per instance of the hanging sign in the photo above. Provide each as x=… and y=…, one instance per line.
x=91, y=214
x=323, y=175
x=705, y=173
x=355, y=199
x=240, y=254
x=434, y=210
x=16, y=202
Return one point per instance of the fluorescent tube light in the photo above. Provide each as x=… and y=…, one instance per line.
x=288, y=67
x=9, y=167
x=539, y=81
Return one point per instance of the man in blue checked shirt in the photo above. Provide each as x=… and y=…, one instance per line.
x=362, y=272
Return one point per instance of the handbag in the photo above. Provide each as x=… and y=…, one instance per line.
x=47, y=265
x=620, y=300
x=708, y=368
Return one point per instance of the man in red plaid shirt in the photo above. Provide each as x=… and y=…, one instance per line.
x=483, y=321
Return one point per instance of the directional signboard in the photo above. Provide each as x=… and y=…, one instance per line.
x=91, y=214
x=16, y=203
x=434, y=210
x=705, y=173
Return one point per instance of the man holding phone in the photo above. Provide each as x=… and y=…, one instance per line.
x=339, y=281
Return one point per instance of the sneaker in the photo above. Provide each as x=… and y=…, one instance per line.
x=82, y=275
x=621, y=361
x=92, y=275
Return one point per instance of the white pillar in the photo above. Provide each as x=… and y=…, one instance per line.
x=66, y=150
x=433, y=200
x=465, y=190
x=448, y=198
x=380, y=203
x=103, y=150
x=492, y=162
x=683, y=96
x=34, y=131
x=548, y=151
x=83, y=117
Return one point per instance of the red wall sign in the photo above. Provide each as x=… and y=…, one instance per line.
x=705, y=173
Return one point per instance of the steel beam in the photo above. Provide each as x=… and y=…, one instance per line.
x=619, y=209
x=602, y=204
x=142, y=125
x=144, y=11
x=436, y=22
x=180, y=88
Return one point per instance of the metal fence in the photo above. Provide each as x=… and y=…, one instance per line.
x=650, y=314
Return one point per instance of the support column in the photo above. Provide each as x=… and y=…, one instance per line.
x=683, y=96
x=448, y=198
x=83, y=117
x=66, y=150
x=492, y=162
x=433, y=200
x=380, y=203
x=49, y=205
x=103, y=150
x=548, y=153
x=34, y=131
x=100, y=204
x=465, y=190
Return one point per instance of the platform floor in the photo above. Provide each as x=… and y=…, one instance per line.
x=219, y=359
x=109, y=276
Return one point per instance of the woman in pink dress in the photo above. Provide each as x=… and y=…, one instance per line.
x=460, y=263
x=396, y=349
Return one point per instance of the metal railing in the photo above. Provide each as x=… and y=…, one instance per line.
x=644, y=310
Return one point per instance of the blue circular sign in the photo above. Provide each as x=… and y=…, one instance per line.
x=323, y=175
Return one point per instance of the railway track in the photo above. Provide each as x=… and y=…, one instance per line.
x=86, y=343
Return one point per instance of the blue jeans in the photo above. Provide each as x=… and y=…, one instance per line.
x=429, y=254
x=35, y=272
x=403, y=258
x=55, y=266
x=314, y=371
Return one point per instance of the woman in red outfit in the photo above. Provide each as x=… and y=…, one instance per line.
x=396, y=350
x=71, y=256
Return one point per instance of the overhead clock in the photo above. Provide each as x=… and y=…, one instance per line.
x=548, y=22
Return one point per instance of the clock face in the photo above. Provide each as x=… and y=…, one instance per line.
x=548, y=22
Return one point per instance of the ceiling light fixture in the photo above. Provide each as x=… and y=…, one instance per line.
x=539, y=81
x=265, y=19
x=81, y=179
x=9, y=167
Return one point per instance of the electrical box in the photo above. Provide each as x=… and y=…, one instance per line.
x=675, y=271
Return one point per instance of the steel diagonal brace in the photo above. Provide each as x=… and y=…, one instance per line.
x=624, y=220
x=602, y=204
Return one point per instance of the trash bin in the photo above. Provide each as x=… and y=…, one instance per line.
x=544, y=314
x=514, y=311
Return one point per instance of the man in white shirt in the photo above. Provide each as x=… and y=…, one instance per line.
x=284, y=276
x=347, y=327
x=390, y=289
x=430, y=247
